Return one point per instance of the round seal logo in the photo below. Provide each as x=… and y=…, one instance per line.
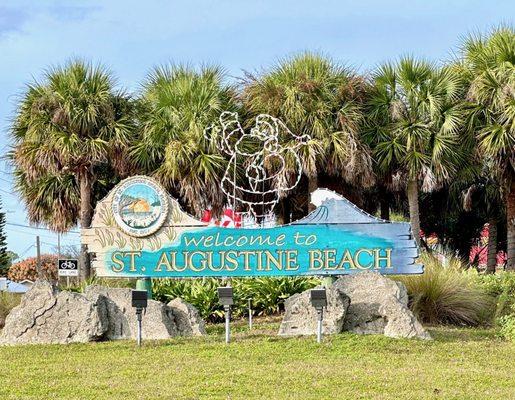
x=140, y=206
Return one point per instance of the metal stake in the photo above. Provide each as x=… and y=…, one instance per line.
x=320, y=313
x=139, y=311
x=227, y=326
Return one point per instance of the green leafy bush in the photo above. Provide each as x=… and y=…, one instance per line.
x=502, y=287
x=267, y=294
x=507, y=325
x=199, y=292
x=448, y=294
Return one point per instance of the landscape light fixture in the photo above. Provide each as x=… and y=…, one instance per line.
x=225, y=297
x=319, y=301
x=139, y=302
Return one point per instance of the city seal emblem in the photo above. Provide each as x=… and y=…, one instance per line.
x=140, y=206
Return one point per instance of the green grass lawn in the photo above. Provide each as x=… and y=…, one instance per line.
x=458, y=364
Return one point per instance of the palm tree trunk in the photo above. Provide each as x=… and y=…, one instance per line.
x=286, y=210
x=510, y=214
x=86, y=215
x=312, y=186
x=492, y=246
x=414, y=214
x=384, y=204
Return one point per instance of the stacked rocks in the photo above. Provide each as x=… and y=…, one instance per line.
x=46, y=315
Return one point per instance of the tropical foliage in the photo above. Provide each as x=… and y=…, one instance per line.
x=410, y=136
x=414, y=121
x=317, y=97
x=68, y=130
x=501, y=287
x=507, y=325
x=488, y=65
x=176, y=105
x=267, y=294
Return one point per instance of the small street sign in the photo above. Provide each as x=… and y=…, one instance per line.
x=68, y=267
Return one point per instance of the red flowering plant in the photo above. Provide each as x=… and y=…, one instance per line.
x=27, y=269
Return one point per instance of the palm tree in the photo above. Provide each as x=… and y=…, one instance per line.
x=313, y=95
x=177, y=104
x=414, y=121
x=66, y=129
x=483, y=194
x=488, y=64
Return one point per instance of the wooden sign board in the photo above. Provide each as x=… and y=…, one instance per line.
x=138, y=230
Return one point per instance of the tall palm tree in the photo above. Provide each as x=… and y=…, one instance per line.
x=488, y=64
x=177, y=104
x=313, y=95
x=66, y=129
x=414, y=122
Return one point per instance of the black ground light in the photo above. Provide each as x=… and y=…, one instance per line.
x=225, y=296
x=319, y=301
x=139, y=302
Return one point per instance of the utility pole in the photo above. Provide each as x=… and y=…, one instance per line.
x=58, y=245
x=38, y=255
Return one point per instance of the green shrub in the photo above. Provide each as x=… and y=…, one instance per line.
x=7, y=302
x=507, y=325
x=267, y=294
x=502, y=287
x=447, y=295
x=199, y=292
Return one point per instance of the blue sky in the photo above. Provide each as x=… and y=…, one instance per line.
x=130, y=37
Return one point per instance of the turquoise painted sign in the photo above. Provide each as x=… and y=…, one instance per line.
x=289, y=250
x=138, y=230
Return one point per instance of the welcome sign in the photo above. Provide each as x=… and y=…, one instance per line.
x=336, y=239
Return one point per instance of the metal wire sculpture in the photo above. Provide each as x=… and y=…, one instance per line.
x=263, y=154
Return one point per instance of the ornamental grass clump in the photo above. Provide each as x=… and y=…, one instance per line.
x=448, y=294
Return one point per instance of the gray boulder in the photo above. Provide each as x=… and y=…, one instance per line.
x=48, y=316
x=401, y=323
x=158, y=319
x=187, y=318
x=300, y=317
x=378, y=306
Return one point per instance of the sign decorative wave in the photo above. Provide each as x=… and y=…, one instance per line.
x=336, y=238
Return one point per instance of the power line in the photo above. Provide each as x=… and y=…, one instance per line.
x=36, y=227
x=68, y=240
x=30, y=233
x=25, y=251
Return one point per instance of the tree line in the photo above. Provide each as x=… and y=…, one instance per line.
x=435, y=141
